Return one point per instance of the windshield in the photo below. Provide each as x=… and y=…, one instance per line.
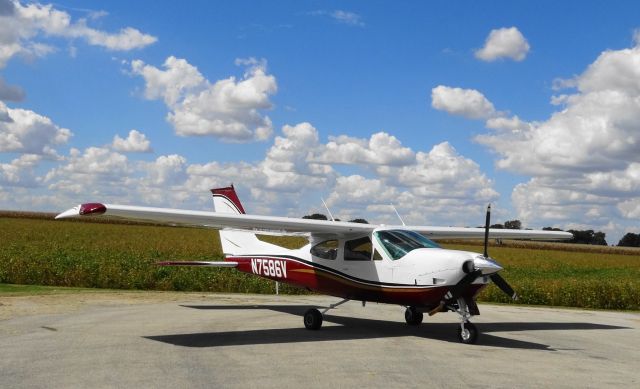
x=398, y=243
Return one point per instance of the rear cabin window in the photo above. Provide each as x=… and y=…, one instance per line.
x=326, y=250
x=360, y=249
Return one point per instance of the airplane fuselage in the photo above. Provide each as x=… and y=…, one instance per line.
x=419, y=278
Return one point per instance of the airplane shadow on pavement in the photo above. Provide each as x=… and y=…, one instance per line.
x=353, y=328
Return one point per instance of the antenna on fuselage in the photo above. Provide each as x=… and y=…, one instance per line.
x=325, y=205
x=394, y=208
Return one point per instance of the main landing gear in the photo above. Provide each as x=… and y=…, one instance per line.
x=313, y=317
x=412, y=316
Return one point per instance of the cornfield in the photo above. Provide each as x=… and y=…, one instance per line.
x=122, y=256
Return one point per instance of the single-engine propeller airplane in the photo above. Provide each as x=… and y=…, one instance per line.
x=363, y=262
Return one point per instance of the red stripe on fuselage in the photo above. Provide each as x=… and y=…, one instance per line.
x=333, y=283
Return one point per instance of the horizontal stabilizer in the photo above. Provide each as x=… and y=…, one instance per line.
x=198, y=263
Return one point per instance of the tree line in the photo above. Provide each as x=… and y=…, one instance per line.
x=319, y=216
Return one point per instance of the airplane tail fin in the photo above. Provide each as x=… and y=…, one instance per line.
x=237, y=242
x=225, y=200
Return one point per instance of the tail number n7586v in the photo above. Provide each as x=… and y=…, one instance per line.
x=269, y=267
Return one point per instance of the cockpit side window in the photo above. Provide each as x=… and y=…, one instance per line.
x=398, y=243
x=359, y=249
x=326, y=250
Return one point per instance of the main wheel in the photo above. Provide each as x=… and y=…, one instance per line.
x=313, y=319
x=469, y=335
x=412, y=316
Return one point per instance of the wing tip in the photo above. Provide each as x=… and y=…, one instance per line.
x=73, y=212
x=83, y=210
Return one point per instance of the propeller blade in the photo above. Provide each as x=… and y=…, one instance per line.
x=504, y=286
x=486, y=231
x=457, y=290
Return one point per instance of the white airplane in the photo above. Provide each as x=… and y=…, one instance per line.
x=363, y=262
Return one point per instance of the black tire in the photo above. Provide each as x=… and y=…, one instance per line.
x=471, y=333
x=412, y=316
x=313, y=319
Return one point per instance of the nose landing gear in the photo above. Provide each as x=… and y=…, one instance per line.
x=467, y=332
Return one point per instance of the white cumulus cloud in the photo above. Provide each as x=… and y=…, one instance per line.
x=380, y=149
x=21, y=25
x=20, y=171
x=443, y=173
x=136, y=142
x=469, y=103
x=584, y=159
x=94, y=172
x=438, y=186
x=228, y=109
x=504, y=43
x=630, y=208
x=598, y=129
x=289, y=162
x=167, y=170
x=25, y=131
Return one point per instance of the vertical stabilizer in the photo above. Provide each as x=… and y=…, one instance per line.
x=225, y=200
x=236, y=242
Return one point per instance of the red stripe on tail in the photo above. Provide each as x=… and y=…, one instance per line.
x=229, y=193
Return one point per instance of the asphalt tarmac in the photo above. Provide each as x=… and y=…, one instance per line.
x=175, y=340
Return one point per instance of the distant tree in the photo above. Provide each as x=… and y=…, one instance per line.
x=588, y=237
x=317, y=216
x=599, y=239
x=359, y=221
x=513, y=225
x=496, y=226
x=551, y=229
x=581, y=237
x=630, y=240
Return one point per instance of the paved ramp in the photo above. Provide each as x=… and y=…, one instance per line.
x=191, y=340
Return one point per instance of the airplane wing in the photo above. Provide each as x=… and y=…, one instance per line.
x=268, y=224
x=437, y=233
x=218, y=220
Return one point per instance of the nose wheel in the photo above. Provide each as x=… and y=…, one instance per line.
x=467, y=333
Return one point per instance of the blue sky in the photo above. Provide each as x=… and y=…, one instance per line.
x=436, y=107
